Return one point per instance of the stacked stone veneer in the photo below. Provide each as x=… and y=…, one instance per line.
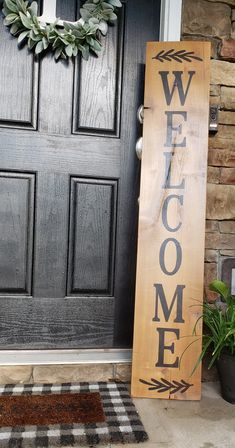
x=64, y=373
x=214, y=21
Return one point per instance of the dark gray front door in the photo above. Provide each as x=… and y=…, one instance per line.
x=69, y=181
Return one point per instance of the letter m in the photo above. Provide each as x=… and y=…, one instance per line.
x=168, y=307
x=177, y=84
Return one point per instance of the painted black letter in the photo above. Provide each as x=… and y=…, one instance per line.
x=167, y=182
x=170, y=141
x=167, y=310
x=163, y=347
x=177, y=84
x=165, y=209
x=178, y=256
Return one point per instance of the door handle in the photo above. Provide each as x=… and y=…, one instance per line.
x=139, y=147
x=140, y=114
x=139, y=143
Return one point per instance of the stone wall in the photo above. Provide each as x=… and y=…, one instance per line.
x=214, y=21
x=65, y=373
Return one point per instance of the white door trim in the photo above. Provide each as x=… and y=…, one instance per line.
x=45, y=357
x=170, y=20
x=170, y=26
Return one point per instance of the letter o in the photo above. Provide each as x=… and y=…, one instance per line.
x=178, y=256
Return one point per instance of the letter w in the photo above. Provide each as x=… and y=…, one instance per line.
x=177, y=84
x=167, y=310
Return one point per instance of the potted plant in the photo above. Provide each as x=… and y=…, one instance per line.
x=219, y=337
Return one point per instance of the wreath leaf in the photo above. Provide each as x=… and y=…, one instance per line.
x=22, y=36
x=65, y=42
x=11, y=6
x=26, y=21
x=33, y=8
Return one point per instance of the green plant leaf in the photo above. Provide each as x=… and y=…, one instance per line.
x=83, y=35
x=22, y=6
x=116, y=3
x=27, y=22
x=34, y=36
x=69, y=50
x=67, y=26
x=33, y=8
x=14, y=28
x=11, y=6
x=39, y=47
x=230, y=333
x=75, y=51
x=112, y=16
x=107, y=5
x=31, y=43
x=85, y=52
x=96, y=45
x=220, y=287
x=45, y=43
x=22, y=36
x=103, y=27
x=10, y=18
x=200, y=358
x=58, y=53
x=5, y=11
x=85, y=14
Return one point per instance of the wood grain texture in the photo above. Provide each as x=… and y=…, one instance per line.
x=105, y=267
x=56, y=323
x=92, y=238
x=142, y=25
x=16, y=230
x=97, y=95
x=68, y=10
x=167, y=226
x=50, y=256
x=55, y=107
x=18, y=83
x=84, y=156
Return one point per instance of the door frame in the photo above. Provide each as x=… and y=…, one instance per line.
x=170, y=20
x=170, y=30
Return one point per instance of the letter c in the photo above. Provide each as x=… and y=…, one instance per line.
x=165, y=209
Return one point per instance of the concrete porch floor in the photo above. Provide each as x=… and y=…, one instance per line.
x=209, y=423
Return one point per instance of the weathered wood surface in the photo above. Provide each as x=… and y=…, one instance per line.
x=171, y=221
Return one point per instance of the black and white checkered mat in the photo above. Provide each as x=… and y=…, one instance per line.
x=122, y=423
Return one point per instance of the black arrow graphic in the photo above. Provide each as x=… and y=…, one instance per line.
x=178, y=56
x=165, y=385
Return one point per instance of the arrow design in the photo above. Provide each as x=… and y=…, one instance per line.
x=165, y=385
x=178, y=56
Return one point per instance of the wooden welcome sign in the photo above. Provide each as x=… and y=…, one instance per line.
x=169, y=287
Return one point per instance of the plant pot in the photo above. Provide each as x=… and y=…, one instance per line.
x=226, y=370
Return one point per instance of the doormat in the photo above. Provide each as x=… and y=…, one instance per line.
x=122, y=423
x=21, y=410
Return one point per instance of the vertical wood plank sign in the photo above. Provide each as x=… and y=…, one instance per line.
x=170, y=262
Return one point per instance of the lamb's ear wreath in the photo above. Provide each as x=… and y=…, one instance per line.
x=67, y=41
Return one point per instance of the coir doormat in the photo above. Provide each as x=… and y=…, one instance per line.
x=21, y=410
x=121, y=423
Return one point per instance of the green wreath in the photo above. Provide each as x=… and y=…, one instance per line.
x=65, y=42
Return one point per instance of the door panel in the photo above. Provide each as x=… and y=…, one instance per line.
x=19, y=83
x=92, y=231
x=16, y=230
x=97, y=95
x=69, y=185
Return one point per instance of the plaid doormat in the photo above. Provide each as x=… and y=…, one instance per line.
x=122, y=423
